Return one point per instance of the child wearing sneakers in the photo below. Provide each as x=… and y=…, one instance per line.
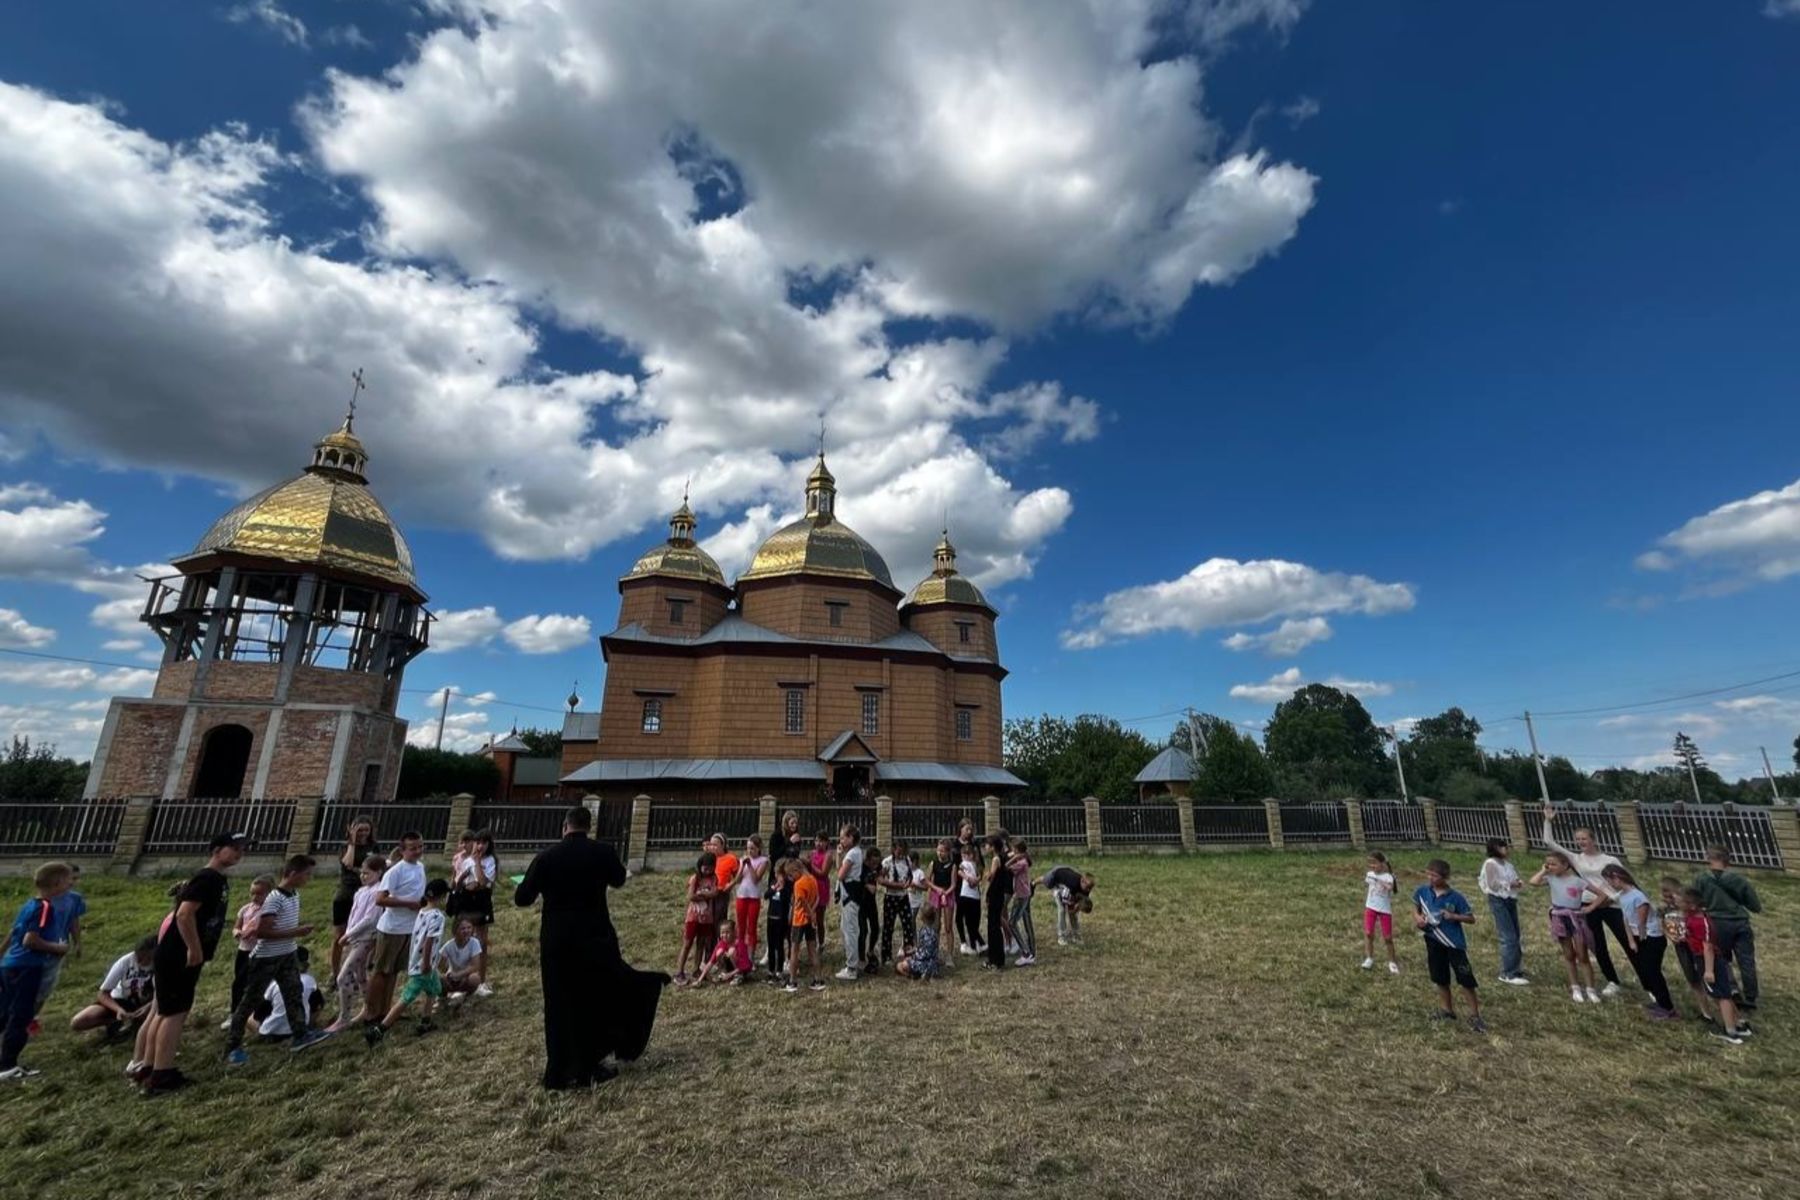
x=804, y=926
x=1378, y=910
x=422, y=979
x=1441, y=914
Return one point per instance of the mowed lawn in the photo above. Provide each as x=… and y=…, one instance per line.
x=1214, y=1037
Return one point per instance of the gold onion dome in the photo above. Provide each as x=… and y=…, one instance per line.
x=818, y=543
x=323, y=517
x=680, y=556
x=944, y=585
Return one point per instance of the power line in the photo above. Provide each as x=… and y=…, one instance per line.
x=1613, y=708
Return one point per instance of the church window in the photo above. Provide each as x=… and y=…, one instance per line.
x=653, y=716
x=796, y=710
x=677, y=612
x=965, y=725
x=836, y=610
x=962, y=632
x=871, y=713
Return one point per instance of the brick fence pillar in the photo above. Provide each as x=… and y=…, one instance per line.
x=1785, y=819
x=305, y=826
x=1184, y=811
x=765, y=819
x=990, y=813
x=1516, y=831
x=1090, y=809
x=591, y=802
x=637, y=842
x=462, y=816
x=1273, y=808
x=884, y=822
x=134, y=828
x=1353, y=817
x=1429, y=807
x=1631, y=832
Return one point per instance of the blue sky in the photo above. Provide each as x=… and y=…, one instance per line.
x=1452, y=337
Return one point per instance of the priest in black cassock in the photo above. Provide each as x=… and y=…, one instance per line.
x=595, y=1004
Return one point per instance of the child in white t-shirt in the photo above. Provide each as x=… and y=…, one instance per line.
x=421, y=964
x=463, y=962
x=1378, y=910
x=271, y=1021
x=124, y=996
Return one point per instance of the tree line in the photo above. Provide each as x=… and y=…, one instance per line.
x=1321, y=744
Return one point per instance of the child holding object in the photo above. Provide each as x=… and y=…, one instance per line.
x=697, y=921
x=1441, y=913
x=1378, y=911
x=1690, y=946
x=124, y=996
x=1568, y=923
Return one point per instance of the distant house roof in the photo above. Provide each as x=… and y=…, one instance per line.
x=581, y=727
x=735, y=630
x=536, y=772
x=1171, y=766
x=510, y=743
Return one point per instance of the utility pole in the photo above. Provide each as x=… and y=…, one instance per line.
x=1687, y=754
x=442, y=714
x=1693, y=779
x=1197, y=742
x=1537, y=760
x=1399, y=766
x=1769, y=772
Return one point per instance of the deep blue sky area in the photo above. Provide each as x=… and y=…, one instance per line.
x=1541, y=313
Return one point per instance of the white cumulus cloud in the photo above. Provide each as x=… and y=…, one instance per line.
x=20, y=634
x=1285, y=640
x=1282, y=684
x=1222, y=592
x=458, y=629
x=549, y=634
x=1756, y=539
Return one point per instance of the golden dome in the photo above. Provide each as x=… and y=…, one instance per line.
x=814, y=546
x=679, y=557
x=325, y=517
x=944, y=585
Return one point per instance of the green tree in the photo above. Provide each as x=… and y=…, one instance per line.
x=36, y=772
x=1438, y=748
x=1063, y=760
x=1232, y=767
x=1466, y=788
x=544, y=743
x=1321, y=739
x=425, y=773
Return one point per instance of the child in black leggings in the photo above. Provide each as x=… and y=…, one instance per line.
x=781, y=897
x=999, y=899
x=968, y=901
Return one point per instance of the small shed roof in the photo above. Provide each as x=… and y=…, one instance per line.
x=1171, y=766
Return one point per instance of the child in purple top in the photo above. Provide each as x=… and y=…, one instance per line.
x=1023, y=931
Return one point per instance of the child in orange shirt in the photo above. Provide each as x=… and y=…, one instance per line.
x=803, y=926
x=725, y=871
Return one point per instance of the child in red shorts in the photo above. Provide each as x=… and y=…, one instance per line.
x=1378, y=911
x=697, y=925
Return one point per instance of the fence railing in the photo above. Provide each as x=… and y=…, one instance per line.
x=833, y=817
x=1598, y=819
x=686, y=826
x=183, y=826
x=1470, y=825
x=77, y=827
x=921, y=826
x=1684, y=833
x=1044, y=824
x=1321, y=821
x=1228, y=823
x=431, y=821
x=1394, y=823
x=1152, y=824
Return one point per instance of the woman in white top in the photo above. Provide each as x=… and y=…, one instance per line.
x=1501, y=884
x=1590, y=862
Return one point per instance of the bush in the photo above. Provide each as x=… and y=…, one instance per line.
x=1463, y=789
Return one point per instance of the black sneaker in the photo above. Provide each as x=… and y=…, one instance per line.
x=373, y=1034
x=161, y=1083
x=1743, y=1030
x=426, y=1025
x=1730, y=1038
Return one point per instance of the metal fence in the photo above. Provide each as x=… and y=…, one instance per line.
x=1214, y=823
x=1683, y=832
x=1321, y=821
x=50, y=827
x=1471, y=826
x=1392, y=822
x=527, y=828
x=183, y=826
x=833, y=817
x=1570, y=817
x=687, y=826
x=1147, y=823
x=920, y=826
x=1043, y=824
x=430, y=821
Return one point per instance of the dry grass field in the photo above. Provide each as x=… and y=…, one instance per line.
x=1214, y=1037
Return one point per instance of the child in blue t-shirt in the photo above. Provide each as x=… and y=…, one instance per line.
x=1440, y=913
x=34, y=942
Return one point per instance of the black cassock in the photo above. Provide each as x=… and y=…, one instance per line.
x=595, y=1004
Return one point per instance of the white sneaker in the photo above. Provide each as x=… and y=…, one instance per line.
x=1393, y=968
x=484, y=989
x=1367, y=963
x=1062, y=941
x=15, y=1074
x=1611, y=989
x=131, y=1068
x=1576, y=996
x=455, y=999
x=1593, y=996
x=1025, y=960
x=847, y=974
x=965, y=948
x=225, y=1024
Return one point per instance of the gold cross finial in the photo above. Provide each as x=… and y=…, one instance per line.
x=357, y=385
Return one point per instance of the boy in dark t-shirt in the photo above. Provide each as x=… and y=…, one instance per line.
x=186, y=945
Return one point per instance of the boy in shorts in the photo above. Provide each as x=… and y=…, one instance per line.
x=422, y=978
x=1440, y=912
x=803, y=926
x=398, y=900
x=183, y=949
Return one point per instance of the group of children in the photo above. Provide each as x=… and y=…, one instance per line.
x=1590, y=894
x=394, y=924
x=727, y=895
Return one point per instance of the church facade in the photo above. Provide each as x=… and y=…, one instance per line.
x=812, y=679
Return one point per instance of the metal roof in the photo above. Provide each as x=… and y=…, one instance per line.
x=734, y=629
x=1171, y=766
x=510, y=743
x=938, y=772
x=581, y=727
x=536, y=772
x=617, y=770
x=835, y=751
